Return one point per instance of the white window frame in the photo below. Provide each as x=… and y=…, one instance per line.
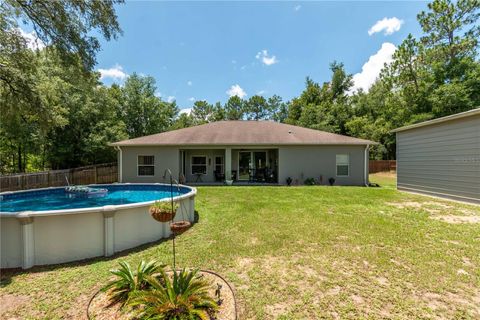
x=191, y=163
x=145, y=165
x=222, y=164
x=342, y=164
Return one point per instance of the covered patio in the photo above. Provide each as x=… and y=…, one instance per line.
x=241, y=165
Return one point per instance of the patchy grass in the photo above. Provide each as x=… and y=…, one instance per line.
x=300, y=252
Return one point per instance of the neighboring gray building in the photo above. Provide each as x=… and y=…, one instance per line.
x=441, y=157
x=248, y=151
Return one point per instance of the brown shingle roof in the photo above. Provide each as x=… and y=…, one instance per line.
x=243, y=133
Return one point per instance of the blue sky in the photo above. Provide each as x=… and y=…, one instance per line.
x=210, y=50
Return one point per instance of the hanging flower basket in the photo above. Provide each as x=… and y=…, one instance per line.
x=162, y=211
x=179, y=227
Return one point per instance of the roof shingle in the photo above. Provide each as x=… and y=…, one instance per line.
x=243, y=133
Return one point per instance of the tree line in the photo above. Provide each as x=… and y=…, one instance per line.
x=56, y=113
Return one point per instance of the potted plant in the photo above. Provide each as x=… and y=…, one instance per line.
x=331, y=181
x=162, y=211
x=179, y=227
x=309, y=182
x=289, y=181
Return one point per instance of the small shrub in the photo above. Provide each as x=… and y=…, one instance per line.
x=331, y=181
x=289, y=181
x=164, y=206
x=309, y=182
x=128, y=281
x=185, y=296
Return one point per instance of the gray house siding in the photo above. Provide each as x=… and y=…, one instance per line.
x=441, y=159
x=297, y=162
x=302, y=162
x=165, y=158
x=210, y=154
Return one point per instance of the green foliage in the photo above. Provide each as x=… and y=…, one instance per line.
x=165, y=206
x=202, y=112
x=128, y=281
x=57, y=114
x=185, y=296
x=65, y=27
x=309, y=182
x=142, y=111
x=434, y=76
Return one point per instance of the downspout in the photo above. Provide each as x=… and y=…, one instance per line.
x=366, y=166
x=120, y=167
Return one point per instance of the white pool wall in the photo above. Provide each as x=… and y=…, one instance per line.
x=31, y=238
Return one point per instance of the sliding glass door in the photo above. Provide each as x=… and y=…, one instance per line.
x=250, y=163
x=244, y=165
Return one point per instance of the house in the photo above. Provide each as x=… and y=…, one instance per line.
x=441, y=157
x=245, y=151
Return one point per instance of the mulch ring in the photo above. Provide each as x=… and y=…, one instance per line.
x=99, y=308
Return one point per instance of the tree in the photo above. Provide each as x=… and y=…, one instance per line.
x=184, y=120
x=63, y=26
x=142, y=112
x=256, y=108
x=218, y=113
x=67, y=25
x=202, y=112
x=277, y=108
x=234, y=108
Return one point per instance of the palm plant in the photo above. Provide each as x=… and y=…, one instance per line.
x=181, y=297
x=127, y=280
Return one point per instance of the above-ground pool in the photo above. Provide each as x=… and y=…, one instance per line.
x=53, y=225
x=60, y=199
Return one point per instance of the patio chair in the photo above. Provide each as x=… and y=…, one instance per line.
x=219, y=176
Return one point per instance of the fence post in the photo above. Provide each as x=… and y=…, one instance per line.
x=95, y=172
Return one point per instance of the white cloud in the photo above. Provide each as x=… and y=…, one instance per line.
x=170, y=99
x=33, y=42
x=158, y=94
x=261, y=92
x=191, y=99
x=186, y=111
x=115, y=73
x=371, y=69
x=265, y=58
x=297, y=7
x=189, y=83
x=236, y=90
x=387, y=25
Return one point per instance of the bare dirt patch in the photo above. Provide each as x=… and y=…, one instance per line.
x=441, y=211
x=457, y=219
x=389, y=174
x=277, y=309
x=405, y=204
x=10, y=303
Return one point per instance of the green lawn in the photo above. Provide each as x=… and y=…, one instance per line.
x=301, y=252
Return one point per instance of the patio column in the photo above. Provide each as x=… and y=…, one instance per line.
x=228, y=163
x=28, y=240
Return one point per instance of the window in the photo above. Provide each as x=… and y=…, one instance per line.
x=146, y=165
x=219, y=164
x=343, y=165
x=199, y=164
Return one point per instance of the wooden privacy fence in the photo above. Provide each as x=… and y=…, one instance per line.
x=382, y=166
x=99, y=173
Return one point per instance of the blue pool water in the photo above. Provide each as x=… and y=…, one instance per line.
x=58, y=199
